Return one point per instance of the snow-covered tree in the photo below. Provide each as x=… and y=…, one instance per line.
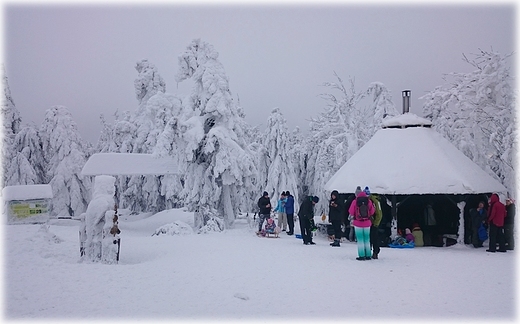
x=336, y=135
x=28, y=165
x=475, y=111
x=219, y=166
x=298, y=153
x=156, y=108
x=382, y=105
x=64, y=157
x=149, y=81
x=281, y=174
x=11, y=125
x=341, y=130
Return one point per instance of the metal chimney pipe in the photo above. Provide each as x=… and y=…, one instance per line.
x=406, y=100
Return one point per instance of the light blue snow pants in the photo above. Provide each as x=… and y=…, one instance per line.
x=363, y=241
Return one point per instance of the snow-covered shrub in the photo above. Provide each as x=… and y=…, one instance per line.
x=175, y=228
x=214, y=224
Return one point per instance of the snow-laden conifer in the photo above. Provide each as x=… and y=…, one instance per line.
x=218, y=163
x=64, y=157
x=28, y=165
x=148, y=82
x=156, y=108
x=281, y=174
x=11, y=125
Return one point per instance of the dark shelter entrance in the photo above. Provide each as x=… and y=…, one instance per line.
x=412, y=209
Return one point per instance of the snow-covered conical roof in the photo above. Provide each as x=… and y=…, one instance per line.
x=411, y=160
x=405, y=120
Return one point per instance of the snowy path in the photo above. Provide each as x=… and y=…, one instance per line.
x=236, y=275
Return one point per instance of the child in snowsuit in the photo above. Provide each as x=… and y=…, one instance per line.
x=409, y=236
x=270, y=228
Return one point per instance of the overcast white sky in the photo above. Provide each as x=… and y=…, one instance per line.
x=83, y=57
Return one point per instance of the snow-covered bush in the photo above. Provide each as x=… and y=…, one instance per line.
x=214, y=224
x=210, y=221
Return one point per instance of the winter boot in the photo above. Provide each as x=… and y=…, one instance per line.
x=335, y=243
x=374, y=256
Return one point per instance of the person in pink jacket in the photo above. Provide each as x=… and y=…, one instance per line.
x=362, y=220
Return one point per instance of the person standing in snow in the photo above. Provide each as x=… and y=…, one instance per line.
x=306, y=213
x=509, y=224
x=478, y=216
x=289, y=210
x=361, y=210
x=430, y=225
x=335, y=217
x=264, y=203
x=497, y=214
x=374, y=229
x=351, y=235
x=280, y=208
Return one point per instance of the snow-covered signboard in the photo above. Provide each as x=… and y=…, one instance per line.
x=27, y=203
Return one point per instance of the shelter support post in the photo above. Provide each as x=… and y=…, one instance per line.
x=460, y=238
x=394, y=216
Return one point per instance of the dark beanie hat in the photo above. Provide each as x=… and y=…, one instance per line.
x=315, y=199
x=287, y=193
x=265, y=194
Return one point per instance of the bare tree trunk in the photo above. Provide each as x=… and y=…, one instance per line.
x=229, y=214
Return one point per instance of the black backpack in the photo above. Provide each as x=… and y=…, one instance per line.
x=362, y=208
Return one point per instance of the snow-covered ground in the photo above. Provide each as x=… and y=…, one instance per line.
x=235, y=275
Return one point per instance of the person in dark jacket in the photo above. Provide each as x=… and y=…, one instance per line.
x=289, y=210
x=264, y=203
x=349, y=226
x=497, y=214
x=478, y=216
x=335, y=217
x=306, y=213
x=374, y=229
x=509, y=224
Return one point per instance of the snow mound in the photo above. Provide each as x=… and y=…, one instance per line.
x=44, y=235
x=175, y=228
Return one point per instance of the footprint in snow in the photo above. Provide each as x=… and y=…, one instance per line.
x=241, y=296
